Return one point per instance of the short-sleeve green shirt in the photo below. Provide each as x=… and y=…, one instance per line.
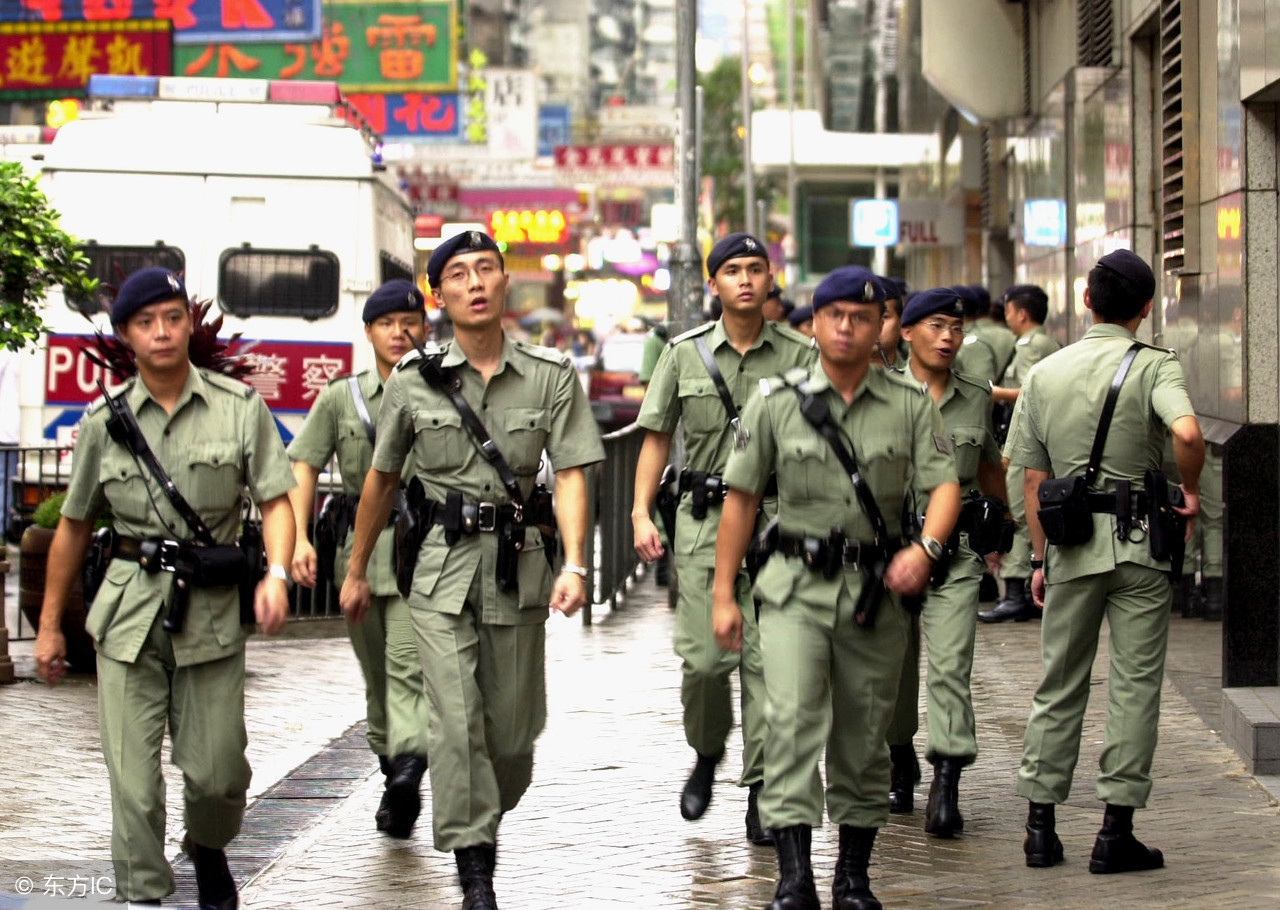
x=966, y=413
x=1056, y=419
x=533, y=402
x=219, y=440
x=898, y=439
x=987, y=350
x=682, y=392
x=333, y=425
x=1033, y=346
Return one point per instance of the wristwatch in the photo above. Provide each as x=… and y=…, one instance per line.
x=1037, y=563
x=280, y=572
x=932, y=548
x=580, y=571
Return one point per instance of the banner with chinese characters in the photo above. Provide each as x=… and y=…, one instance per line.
x=511, y=112
x=54, y=59
x=410, y=116
x=194, y=21
x=364, y=47
x=290, y=374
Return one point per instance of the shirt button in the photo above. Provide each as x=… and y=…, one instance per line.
x=486, y=488
x=166, y=432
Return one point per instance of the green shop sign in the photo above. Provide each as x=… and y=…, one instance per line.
x=365, y=46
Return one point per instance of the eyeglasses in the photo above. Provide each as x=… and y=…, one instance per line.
x=857, y=317
x=939, y=328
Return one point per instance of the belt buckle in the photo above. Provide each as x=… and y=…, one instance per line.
x=487, y=516
x=851, y=555
x=167, y=552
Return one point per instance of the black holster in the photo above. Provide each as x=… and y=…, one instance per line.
x=762, y=547
x=411, y=526
x=510, y=545
x=96, y=560
x=868, y=605
x=984, y=519
x=667, y=501
x=333, y=524
x=1065, y=514
x=539, y=511
x=1166, y=529
x=254, y=552
x=704, y=490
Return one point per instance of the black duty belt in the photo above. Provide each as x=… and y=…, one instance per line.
x=153, y=554
x=1105, y=503
x=818, y=552
x=474, y=517
x=714, y=483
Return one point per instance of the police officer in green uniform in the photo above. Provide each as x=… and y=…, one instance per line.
x=1055, y=423
x=394, y=319
x=746, y=348
x=893, y=349
x=988, y=345
x=481, y=643
x=933, y=325
x=830, y=681
x=214, y=437
x=1026, y=308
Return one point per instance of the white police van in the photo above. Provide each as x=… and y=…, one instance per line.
x=268, y=196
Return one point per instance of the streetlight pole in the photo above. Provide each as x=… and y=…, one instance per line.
x=748, y=175
x=684, y=299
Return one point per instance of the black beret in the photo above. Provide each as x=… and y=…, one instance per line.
x=928, y=303
x=1129, y=264
x=894, y=288
x=734, y=246
x=800, y=315
x=399, y=295
x=850, y=283
x=143, y=288
x=982, y=294
x=466, y=242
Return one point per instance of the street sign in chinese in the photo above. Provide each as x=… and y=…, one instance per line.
x=364, y=47
x=290, y=374
x=615, y=157
x=511, y=109
x=555, y=127
x=53, y=59
x=194, y=21
x=409, y=115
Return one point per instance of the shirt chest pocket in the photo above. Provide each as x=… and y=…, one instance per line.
x=438, y=438
x=968, y=452
x=124, y=487
x=354, y=450
x=886, y=461
x=701, y=407
x=526, y=432
x=806, y=468
x=215, y=476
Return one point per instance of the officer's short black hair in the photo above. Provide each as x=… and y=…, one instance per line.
x=1113, y=296
x=1031, y=299
x=895, y=304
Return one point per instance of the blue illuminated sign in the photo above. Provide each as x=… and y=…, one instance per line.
x=873, y=222
x=1044, y=222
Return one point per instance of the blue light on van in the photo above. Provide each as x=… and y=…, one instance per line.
x=109, y=86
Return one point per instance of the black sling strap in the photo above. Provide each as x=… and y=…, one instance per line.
x=1108, y=409
x=362, y=409
x=449, y=383
x=123, y=428
x=740, y=435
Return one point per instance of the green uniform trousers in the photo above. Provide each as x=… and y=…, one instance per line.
x=395, y=708
x=705, y=690
x=1017, y=562
x=203, y=705
x=831, y=685
x=950, y=619
x=1135, y=601
x=486, y=704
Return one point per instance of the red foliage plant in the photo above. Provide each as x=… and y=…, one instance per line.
x=205, y=349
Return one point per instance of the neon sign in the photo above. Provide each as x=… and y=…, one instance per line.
x=526, y=226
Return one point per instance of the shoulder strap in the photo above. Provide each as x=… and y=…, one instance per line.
x=123, y=427
x=709, y=361
x=362, y=409
x=818, y=414
x=447, y=382
x=1108, y=409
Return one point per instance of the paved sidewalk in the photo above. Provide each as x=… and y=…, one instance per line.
x=600, y=826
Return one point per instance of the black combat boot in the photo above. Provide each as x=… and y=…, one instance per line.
x=904, y=774
x=1117, y=850
x=403, y=799
x=1185, y=599
x=1041, y=845
x=942, y=816
x=1017, y=604
x=214, y=884
x=988, y=589
x=1213, y=599
x=851, y=886
x=382, y=817
x=696, y=795
x=796, y=890
x=756, y=833
x=475, y=875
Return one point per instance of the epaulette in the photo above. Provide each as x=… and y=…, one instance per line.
x=227, y=384
x=343, y=378
x=550, y=355
x=1024, y=339
x=412, y=355
x=693, y=332
x=793, y=378
x=1156, y=347
x=909, y=381
x=97, y=403
x=791, y=334
x=980, y=384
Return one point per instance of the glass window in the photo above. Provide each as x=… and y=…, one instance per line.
x=301, y=283
x=112, y=264
x=391, y=268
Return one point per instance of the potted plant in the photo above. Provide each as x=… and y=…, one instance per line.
x=34, y=557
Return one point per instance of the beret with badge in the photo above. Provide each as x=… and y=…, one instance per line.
x=849, y=284
x=466, y=242
x=143, y=288
x=1130, y=265
x=800, y=315
x=734, y=246
x=399, y=295
x=935, y=301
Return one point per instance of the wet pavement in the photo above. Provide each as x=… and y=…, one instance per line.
x=600, y=825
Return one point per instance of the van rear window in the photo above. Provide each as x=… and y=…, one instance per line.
x=112, y=264
x=301, y=283
x=391, y=267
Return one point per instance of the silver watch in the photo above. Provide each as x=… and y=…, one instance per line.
x=932, y=548
x=278, y=571
x=580, y=571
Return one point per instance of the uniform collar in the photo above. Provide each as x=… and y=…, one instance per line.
x=139, y=394
x=453, y=356
x=370, y=382
x=720, y=336
x=1108, y=330
x=875, y=383
x=1034, y=330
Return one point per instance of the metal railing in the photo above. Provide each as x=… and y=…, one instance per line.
x=611, y=553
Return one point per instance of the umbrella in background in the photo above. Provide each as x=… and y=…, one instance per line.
x=543, y=316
